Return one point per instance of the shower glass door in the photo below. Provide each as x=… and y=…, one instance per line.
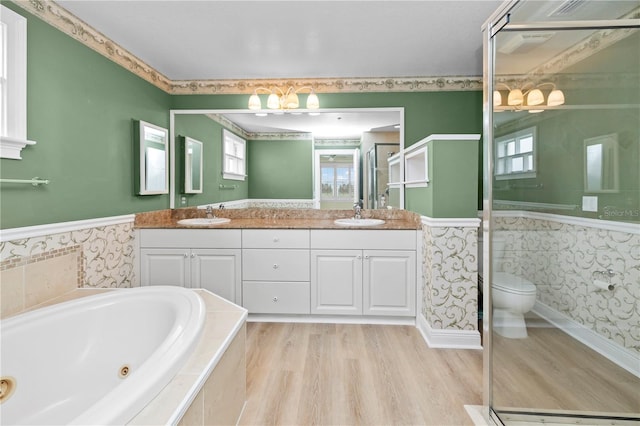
x=562, y=158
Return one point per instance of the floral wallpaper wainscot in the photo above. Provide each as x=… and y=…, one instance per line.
x=450, y=293
x=108, y=252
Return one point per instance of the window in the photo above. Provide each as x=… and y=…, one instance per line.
x=233, y=156
x=13, y=84
x=337, y=181
x=515, y=155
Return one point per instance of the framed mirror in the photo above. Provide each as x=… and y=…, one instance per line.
x=601, y=163
x=152, y=159
x=192, y=166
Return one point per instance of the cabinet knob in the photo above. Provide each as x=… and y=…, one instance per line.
x=193, y=255
x=366, y=257
x=358, y=257
x=275, y=299
x=276, y=239
x=186, y=255
x=275, y=266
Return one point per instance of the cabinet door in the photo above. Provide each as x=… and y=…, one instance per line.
x=336, y=282
x=164, y=267
x=217, y=270
x=389, y=283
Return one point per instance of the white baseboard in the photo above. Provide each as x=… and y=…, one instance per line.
x=446, y=338
x=332, y=319
x=617, y=354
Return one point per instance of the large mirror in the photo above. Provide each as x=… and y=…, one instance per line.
x=287, y=154
x=151, y=159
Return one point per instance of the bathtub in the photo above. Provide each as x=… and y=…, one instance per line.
x=99, y=359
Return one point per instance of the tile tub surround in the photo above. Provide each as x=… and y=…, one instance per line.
x=214, y=375
x=28, y=281
x=256, y=218
x=560, y=256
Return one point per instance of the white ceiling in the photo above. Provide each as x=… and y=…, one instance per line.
x=295, y=39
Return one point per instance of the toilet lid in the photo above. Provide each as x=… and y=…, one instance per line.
x=512, y=283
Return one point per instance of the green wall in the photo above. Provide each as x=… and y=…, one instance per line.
x=453, y=181
x=80, y=111
x=209, y=132
x=280, y=169
x=81, y=108
x=560, y=161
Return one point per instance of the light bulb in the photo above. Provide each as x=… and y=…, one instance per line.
x=254, y=102
x=535, y=97
x=312, y=101
x=497, y=98
x=556, y=97
x=273, y=101
x=515, y=97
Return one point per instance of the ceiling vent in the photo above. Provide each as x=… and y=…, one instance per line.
x=522, y=43
x=566, y=8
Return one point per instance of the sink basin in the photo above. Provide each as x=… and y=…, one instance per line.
x=358, y=222
x=204, y=221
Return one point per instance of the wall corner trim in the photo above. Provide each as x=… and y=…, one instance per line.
x=451, y=222
x=60, y=227
x=448, y=338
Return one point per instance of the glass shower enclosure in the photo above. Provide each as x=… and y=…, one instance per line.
x=561, y=212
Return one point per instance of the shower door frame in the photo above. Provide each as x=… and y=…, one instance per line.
x=498, y=22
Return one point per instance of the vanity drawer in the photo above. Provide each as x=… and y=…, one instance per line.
x=275, y=238
x=276, y=297
x=275, y=265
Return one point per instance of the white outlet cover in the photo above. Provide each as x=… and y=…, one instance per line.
x=590, y=203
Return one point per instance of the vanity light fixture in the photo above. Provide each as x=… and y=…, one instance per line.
x=283, y=99
x=528, y=97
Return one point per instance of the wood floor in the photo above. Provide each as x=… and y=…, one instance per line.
x=550, y=371
x=339, y=374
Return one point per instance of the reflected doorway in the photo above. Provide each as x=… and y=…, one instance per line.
x=336, y=179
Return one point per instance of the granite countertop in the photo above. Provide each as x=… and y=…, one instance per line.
x=259, y=218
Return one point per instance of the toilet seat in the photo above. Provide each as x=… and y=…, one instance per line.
x=510, y=283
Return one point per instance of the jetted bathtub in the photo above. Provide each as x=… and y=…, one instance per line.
x=99, y=359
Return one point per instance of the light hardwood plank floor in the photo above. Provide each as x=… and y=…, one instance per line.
x=347, y=374
x=550, y=371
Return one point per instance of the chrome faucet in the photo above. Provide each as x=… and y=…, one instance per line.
x=357, y=211
x=209, y=211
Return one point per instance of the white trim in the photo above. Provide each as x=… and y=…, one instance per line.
x=621, y=356
x=11, y=147
x=628, y=227
x=332, y=319
x=14, y=126
x=448, y=338
x=60, y=227
x=453, y=222
x=508, y=203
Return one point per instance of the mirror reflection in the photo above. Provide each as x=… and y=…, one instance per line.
x=192, y=155
x=601, y=164
x=291, y=157
x=151, y=159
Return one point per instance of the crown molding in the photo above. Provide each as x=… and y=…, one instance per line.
x=60, y=18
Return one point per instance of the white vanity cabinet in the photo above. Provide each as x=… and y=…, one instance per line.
x=357, y=272
x=275, y=271
x=195, y=258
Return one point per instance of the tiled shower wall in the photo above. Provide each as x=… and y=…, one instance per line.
x=450, y=271
x=564, y=259
x=35, y=269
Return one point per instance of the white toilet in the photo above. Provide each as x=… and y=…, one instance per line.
x=512, y=297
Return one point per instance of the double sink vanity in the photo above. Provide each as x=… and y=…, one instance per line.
x=294, y=263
